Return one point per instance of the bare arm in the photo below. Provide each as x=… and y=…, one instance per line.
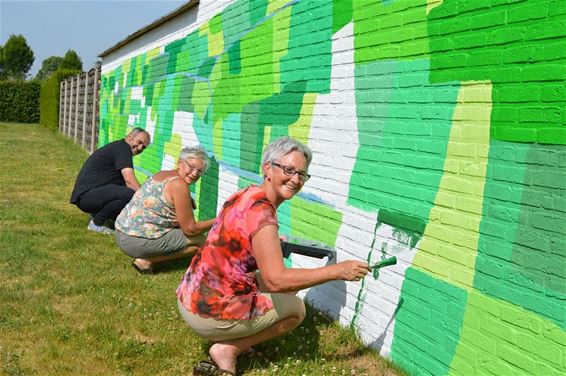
x=178, y=191
x=130, y=178
x=266, y=247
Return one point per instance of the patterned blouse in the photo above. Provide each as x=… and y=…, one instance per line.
x=220, y=282
x=148, y=214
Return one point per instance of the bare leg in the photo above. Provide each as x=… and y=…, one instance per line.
x=224, y=353
x=149, y=262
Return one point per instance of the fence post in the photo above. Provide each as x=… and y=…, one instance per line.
x=77, y=107
x=94, y=109
x=62, y=99
x=84, y=110
x=72, y=80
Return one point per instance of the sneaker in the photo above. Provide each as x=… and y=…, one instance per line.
x=100, y=229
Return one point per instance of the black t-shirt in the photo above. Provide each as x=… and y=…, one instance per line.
x=103, y=167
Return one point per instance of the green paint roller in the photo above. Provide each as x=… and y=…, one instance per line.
x=381, y=264
x=385, y=262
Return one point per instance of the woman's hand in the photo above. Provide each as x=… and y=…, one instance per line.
x=352, y=270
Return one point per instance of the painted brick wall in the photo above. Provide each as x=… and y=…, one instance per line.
x=439, y=136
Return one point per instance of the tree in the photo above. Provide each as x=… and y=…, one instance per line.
x=18, y=57
x=71, y=61
x=1, y=62
x=48, y=66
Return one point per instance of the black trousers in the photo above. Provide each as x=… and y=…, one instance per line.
x=105, y=202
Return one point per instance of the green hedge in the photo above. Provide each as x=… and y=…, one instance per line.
x=49, y=99
x=19, y=101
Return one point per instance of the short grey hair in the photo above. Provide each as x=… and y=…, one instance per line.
x=138, y=130
x=195, y=152
x=283, y=146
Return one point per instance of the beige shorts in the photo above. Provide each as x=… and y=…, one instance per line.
x=284, y=305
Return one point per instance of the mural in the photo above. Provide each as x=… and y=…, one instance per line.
x=439, y=136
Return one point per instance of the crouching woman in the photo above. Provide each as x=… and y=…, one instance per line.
x=236, y=291
x=158, y=224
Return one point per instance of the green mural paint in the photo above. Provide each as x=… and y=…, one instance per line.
x=428, y=324
x=517, y=254
x=407, y=142
x=252, y=139
x=235, y=21
x=390, y=30
x=215, y=24
x=314, y=221
x=281, y=110
x=490, y=326
x=208, y=194
x=185, y=94
x=234, y=58
x=341, y=14
x=309, y=59
x=231, y=139
x=407, y=229
x=527, y=98
x=206, y=67
x=361, y=298
x=257, y=10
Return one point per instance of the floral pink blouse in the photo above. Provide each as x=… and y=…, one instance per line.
x=221, y=280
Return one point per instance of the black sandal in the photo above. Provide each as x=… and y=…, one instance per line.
x=206, y=368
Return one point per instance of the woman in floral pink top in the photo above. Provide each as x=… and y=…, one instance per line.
x=222, y=296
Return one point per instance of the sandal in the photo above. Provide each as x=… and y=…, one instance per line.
x=206, y=368
x=142, y=270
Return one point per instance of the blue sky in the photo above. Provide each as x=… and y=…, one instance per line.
x=51, y=27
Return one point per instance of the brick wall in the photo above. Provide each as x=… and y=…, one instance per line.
x=438, y=131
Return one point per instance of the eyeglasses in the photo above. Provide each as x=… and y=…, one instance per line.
x=290, y=171
x=193, y=168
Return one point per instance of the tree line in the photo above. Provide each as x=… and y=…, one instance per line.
x=17, y=57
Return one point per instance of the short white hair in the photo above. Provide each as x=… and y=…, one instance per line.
x=197, y=152
x=283, y=146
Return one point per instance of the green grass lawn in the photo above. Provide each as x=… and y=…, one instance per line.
x=71, y=304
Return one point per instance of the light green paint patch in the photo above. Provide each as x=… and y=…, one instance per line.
x=427, y=324
x=217, y=139
x=281, y=28
x=256, y=50
x=140, y=176
x=390, y=30
x=174, y=146
x=500, y=338
x=300, y=130
x=314, y=221
x=227, y=98
x=448, y=248
x=275, y=5
x=394, y=98
x=201, y=98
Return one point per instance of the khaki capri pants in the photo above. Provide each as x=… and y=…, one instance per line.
x=170, y=243
x=285, y=305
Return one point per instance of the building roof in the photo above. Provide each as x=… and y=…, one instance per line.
x=146, y=29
